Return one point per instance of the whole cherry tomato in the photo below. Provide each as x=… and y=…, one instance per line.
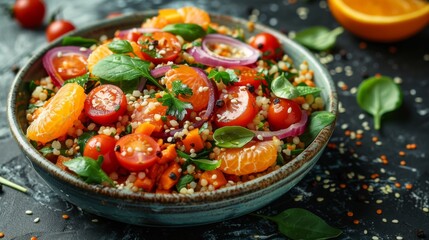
x=58, y=28
x=282, y=113
x=268, y=44
x=29, y=13
x=102, y=145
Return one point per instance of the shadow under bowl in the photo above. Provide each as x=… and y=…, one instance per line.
x=152, y=209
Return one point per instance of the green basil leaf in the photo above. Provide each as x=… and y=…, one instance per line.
x=306, y=90
x=83, y=139
x=183, y=181
x=127, y=86
x=88, y=170
x=188, y=31
x=282, y=88
x=120, y=47
x=232, y=136
x=211, y=30
x=32, y=86
x=205, y=164
x=298, y=223
x=81, y=80
x=78, y=41
x=317, y=121
x=318, y=38
x=379, y=95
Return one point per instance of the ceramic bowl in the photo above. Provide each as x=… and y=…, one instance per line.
x=151, y=209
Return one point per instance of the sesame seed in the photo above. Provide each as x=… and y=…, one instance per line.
x=425, y=209
x=29, y=212
x=36, y=220
x=395, y=221
x=95, y=220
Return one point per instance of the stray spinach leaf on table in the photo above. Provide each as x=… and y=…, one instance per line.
x=318, y=38
x=298, y=223
x=379, y=95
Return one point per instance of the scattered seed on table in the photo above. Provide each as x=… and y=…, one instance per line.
x=94, y=220
x=33, y=238
x=29, y=212
x=65, y=216
x=36, y=220
x=425, y=209
x=395, y=221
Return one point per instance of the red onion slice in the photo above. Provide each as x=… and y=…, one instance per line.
x=293, y=130
x=208, y=112
x=160, y=71
x=205, y=56
x=58, y=51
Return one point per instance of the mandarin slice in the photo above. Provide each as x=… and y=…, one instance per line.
x=191, y=78
x=58, y=115
x=254, y=157
x=195, y=15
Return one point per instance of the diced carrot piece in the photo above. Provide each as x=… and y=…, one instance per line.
x=194, y=141
x=60, y=162
x=155, y=171
x=300, y=100
x=168, y=154
x=169, y=177
x=146, y=184
x=145, y=128
x=214, y=177
x=171, y=15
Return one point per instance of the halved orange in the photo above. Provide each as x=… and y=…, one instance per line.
x=381, y=20
x=254, y=157
x=58, y=115
x=191, y=78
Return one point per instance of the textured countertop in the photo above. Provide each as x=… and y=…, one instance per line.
x=351, y=187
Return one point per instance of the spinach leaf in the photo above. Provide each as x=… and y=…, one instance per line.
x=282, y=88
x=317, y=121
x=121, y=47
x=81, y=80
x=232, y=136
x=377, y=96
x=298, y=223
x=117, y=67
x=188, y=31
x=78, y=41
x=83, y=139
x=89, y=170
x=318, y=38
x=211, y=30
x=183, y=181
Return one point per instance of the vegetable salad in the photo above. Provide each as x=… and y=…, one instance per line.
x=179, y=105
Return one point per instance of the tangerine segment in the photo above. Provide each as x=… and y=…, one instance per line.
x=103, y=51
x=58, y=115
x=387, y=24
x=195, y=15
x=191, y=78
x=254, y=157
x=150, y=111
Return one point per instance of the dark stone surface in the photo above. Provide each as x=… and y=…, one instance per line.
x=321, y=191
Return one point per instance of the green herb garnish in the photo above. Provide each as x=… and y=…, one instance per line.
x=317, y=121
x=183, y=181
x=121, y=47
x=227, y=77
x=81, y=80
x=379, y=95
x=203, y=164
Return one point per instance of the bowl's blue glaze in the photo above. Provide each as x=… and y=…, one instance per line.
x=169, y=209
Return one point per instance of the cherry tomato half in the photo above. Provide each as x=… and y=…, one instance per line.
x=136, y=151
x=70, y=65
x=102, y=145
x=235, y=107
x=268, y=44
x=105, y=104
x=248, y=76
x=282, y=113
x=58, y=28
x=160, y=47
x=29, y=13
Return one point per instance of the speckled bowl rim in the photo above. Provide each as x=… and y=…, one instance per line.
x=293, y=168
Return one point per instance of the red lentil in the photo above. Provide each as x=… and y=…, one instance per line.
x=65, y=216
x=408, y=186
x=1, y=235
x=403, y=163
x=350, y=214
x=379, y=211
x=342, y=185
x=398, y=185
x=401, y=153
x=356, y=221
x=33, y=238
